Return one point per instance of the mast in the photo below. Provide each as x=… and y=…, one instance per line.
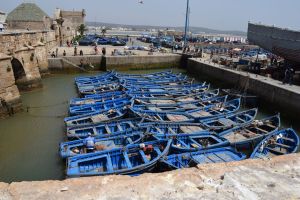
x=186, y=21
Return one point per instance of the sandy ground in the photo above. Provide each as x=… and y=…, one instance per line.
x=278, y=178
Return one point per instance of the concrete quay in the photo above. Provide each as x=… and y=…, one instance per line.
x=286, y=97
x=278, y=178
x=99, y=62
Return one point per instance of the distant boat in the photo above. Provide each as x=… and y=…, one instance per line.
x=281, y=142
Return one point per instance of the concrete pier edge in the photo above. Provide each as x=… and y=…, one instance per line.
x=277, y=178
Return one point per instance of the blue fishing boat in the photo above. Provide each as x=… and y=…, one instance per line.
x=158, y=93
x=159, y=84
x=189, y=105
x=82, y=87
x=215, y=110
x=177, y=107
x=117, y=127
x=251, y=134
x=105, y=94
x=150, y=75
x=161, y=116
x=230, y=121
x=202, y=96
x=95, y=117
x=281, y=142
x=97, y=98
x=194, y=142
x=166, y=128
x=102, y=89
x=131, y=160
x=97, y=77
x=216, y=155
x=99, y=81
x=100, y=107
x=77, y=147
x=191, y=88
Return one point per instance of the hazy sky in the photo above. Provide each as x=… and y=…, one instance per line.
x=216, y=14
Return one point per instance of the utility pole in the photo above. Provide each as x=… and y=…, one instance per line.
x=186, y=21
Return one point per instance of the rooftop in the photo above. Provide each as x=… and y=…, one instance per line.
x=27, y=12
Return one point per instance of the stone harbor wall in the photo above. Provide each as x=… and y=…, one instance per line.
x=278, y=178
x=9, y=93
x=23, y=61
x=284, y=97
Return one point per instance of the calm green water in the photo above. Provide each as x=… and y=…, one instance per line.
x=29, y=140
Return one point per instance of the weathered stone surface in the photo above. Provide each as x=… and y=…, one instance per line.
x=278, y=178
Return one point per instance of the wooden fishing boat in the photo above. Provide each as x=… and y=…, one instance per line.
x=97, y=98
x=77, y=147
x=281, y=142
x=98, y=90
x=246, y=99
x=159, y=84
x=116, y=127
x=194, y=142
x=166, y=128
x=132, y=160
x=171, y=101
x=98, y=81
x=216, y=110
x=206, y=95
x=100, y=107
x=176, y=107
x=95, y=117
x=192, y=88
x=83, y=87
x=165, y=94
x=162, y=116
x=105, y=75
x=216, y=155
x=251, y=134
x=150, y=75
x=230, y=121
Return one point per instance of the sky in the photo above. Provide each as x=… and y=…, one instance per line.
x=215, y=14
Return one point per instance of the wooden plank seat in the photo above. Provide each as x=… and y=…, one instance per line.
x=190, y=129
x=275, y=150
x=283, y=145
x=99, y=118
x=189, y=106
x=162, y=102
x=287, y=139
x=200, y=113
x=176, y=118
x=226, y=122
x=186, y=99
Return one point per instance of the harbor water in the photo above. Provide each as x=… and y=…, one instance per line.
x=29, y=140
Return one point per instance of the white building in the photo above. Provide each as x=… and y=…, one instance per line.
x=2, y=21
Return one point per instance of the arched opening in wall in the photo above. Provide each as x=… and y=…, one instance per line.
x=18, y=69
